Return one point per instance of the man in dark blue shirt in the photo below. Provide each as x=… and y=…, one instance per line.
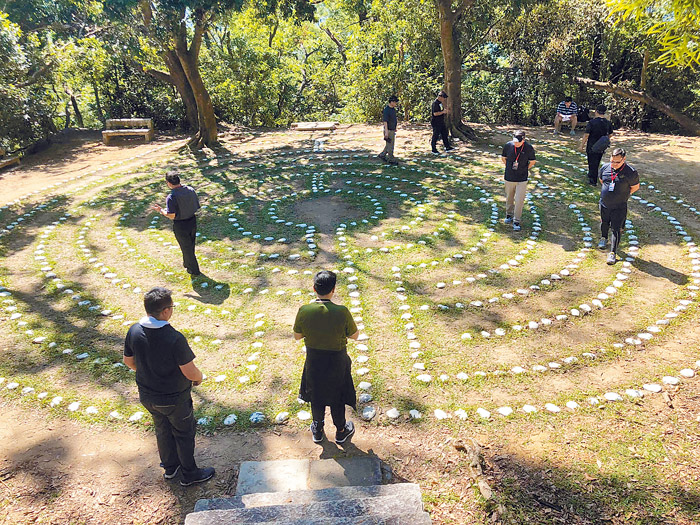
x=595, y=129
x=180, y=207
x=619, y=180
x=389, y=119
x=165, y=374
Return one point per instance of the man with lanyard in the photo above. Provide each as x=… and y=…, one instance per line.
x=567, y=111
x=180, y=207
x=518, y=157
x=165, y=375
x=327, y=378
x=595, y=129
x=437, y=121
x=389, y=119
x=619, y=180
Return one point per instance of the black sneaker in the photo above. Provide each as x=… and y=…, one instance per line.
x=343, y=435
x=170, y=472
x=435, y=152
x=202, y=475
x=317, y=432
x=450, y=148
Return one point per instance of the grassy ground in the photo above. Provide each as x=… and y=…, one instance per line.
x=445, y=295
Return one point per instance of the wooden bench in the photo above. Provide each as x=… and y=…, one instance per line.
x=314, y=126
x=124, y=127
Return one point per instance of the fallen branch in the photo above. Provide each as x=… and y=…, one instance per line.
x=640, y=96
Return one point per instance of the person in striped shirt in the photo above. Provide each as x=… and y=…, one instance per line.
x=567, y=111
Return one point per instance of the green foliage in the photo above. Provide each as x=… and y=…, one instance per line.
x=674, y=23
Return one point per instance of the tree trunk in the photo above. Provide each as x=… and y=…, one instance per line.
x=208, y=132
x=179, y=80
x=452, y=57
x=76, y=110
x=685, y=121
x=96, y=91
x=67, y=115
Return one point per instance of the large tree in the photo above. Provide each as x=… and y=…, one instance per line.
x=173, y=30
x=451, y=14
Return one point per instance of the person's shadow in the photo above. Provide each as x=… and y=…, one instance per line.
x=214, y=292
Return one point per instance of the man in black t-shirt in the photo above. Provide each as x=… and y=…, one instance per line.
x=165, y=373
x=596, y=128
x=518, y=157
x=389, y=119
x=437, y=121
x=180, y=207
x=619, y=180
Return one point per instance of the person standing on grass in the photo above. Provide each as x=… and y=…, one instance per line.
x=437, y=121
x=180, y=207
x=165, y=374
x=327, y=381
x=618, y=181
x=390, y=122
x=595, y=141
x=518, y=157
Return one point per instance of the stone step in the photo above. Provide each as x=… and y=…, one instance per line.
x=308, y=496
x=404, y=519
x=381, y=507
x=303, y=474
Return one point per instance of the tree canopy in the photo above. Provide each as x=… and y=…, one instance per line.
x=194, y=64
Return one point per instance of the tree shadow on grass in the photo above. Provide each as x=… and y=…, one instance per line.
x=538, y=492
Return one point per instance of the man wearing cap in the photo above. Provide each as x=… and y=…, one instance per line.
x=437, y=121
x=180, y=207
x=618, y=181
x=390, y=121
x=567, y=111
x=518, y=156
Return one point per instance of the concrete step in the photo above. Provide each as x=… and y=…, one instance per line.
x=308, y=496
x=404, y=519
x=381, y=507
x=302, y=474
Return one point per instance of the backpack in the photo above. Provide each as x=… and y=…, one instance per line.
x=601, y=144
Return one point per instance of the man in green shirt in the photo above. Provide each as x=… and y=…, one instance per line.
x=327, y=379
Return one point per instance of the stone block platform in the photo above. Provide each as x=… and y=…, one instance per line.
x=339, y=491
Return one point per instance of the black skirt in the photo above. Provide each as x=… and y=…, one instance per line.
x=327, y=379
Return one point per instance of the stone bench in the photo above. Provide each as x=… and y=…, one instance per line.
x=8, y=161
x=314, y=126
x=127, y=127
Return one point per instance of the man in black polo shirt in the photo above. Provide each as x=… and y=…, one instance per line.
x=165, y=373
x=596, y=128
x=518, y=157
x=619, y=180
x=389, y=119
x=180, y=207
x=437, y=121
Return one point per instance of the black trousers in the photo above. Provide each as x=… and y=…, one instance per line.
x=318, y=412
x=440, y=131
x=175, y=431
x=186, y=234
x=593, y=166
x=612, y=220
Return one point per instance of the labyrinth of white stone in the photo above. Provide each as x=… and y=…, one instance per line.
x=461, y=319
